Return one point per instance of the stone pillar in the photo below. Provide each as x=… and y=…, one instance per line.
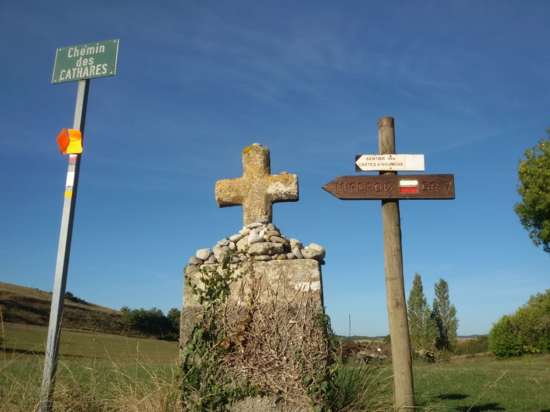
x=268, y=317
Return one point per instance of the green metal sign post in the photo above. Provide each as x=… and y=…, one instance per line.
x=75, y=63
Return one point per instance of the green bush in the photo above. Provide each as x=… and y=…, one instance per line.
x=504, y=340
x=526, y=331
x=534, y=323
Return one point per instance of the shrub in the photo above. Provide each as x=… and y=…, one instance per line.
x=526, y=331
x=534, y=323
x=503, y=339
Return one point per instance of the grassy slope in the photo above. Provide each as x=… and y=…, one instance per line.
x=98, y=369
x=95, y=372
x=20, y=304
x=30, y=339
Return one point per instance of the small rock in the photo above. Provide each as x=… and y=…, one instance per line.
x=294, y=243
x=314, y=251
x=317, y=247
x=290, y=256
x=297, y=253
x=277, y=248
x=236, y=237
x=220, y=252
x=223, y=242
x=270, y=233
x=244, y=231
x=232, y=246
x=193, y=260
x=262, y=257
x=281, y=257
x=242, y=244
x=255, y=236
x=254, y=225
x=308, y=254
x=277, y=239
x=202, y=254
x=190, y=269
x=261, y=248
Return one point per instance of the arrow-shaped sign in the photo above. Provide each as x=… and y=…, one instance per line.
x=390, y=162
x=392, y=187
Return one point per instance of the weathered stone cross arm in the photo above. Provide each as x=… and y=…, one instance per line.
x=256, y=190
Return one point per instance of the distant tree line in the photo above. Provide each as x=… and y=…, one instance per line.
x=431, y=328
x=152, y=322
x=72, y=297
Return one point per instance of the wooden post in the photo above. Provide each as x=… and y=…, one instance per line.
x=395, y=289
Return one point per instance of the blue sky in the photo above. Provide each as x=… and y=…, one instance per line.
x=468, y=83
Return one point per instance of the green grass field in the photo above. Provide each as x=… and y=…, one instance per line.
x=96, y=372
x=485, y=384
x=100, y=372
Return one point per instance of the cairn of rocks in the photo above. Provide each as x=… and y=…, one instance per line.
x=256, y=242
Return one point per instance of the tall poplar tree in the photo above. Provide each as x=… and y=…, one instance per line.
x=444, y=315
x=422, y=327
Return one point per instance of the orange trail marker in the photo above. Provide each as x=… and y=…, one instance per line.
x=70, y=141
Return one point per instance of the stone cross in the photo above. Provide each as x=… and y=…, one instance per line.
x=257, y=189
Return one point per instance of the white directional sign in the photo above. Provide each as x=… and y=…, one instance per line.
x=390, y=162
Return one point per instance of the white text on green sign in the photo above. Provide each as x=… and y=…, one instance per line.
x=85, y=61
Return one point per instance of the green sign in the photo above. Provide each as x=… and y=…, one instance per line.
x=85, y=61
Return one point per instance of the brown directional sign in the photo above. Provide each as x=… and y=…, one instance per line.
x=392, y=187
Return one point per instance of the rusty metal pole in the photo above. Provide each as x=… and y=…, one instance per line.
x=395, y=288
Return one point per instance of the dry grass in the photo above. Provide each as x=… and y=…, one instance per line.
x=362, y=388
x=96, y=372
x=273, y=335
x=98, y=387
x=280, y=339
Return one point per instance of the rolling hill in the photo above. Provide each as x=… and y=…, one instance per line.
x=19, y=304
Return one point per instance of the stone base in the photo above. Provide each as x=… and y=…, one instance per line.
x=290, y=281
x=275, y=330
x=265, y=404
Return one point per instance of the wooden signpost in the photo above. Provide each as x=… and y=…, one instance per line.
x=390, y=188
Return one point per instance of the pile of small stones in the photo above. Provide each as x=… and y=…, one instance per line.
x=260, y=242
